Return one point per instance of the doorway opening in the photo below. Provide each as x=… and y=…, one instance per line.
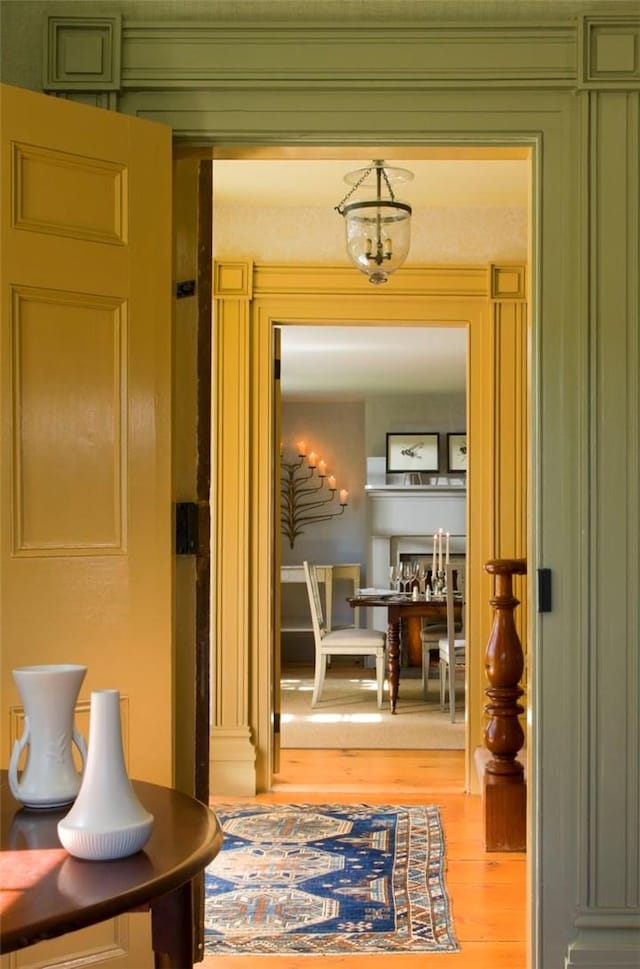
x=285, y=295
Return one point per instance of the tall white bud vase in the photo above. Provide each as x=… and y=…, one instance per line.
x=107, y=821
x=49, y=695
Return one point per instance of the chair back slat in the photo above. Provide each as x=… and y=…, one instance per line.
x=455, y=579
x=315, y=602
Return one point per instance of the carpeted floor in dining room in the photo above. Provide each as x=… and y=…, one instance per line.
x=487, y=891
x=347, y=715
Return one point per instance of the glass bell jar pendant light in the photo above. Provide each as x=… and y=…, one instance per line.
x=378, y=229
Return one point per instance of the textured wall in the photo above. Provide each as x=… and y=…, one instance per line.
x=442, y=235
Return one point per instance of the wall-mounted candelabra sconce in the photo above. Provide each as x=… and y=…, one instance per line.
x=305, y=489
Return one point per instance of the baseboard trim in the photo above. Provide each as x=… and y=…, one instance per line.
x=613, y=944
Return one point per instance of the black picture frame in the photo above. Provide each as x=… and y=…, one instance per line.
x=457, y=453
x=412, y=451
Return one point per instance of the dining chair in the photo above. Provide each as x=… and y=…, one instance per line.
x=452, y=648
x=431, y=632
x=340, y=642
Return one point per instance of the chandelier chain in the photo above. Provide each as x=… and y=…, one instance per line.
x=354, y=188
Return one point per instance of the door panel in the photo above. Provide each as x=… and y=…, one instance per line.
x=85, y=481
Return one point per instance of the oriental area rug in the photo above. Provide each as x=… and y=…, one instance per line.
x=328, y=879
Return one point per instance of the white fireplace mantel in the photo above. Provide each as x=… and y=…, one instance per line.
x=416, y=510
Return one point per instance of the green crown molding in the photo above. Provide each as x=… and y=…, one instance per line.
x=102, y=54
x=208, y=54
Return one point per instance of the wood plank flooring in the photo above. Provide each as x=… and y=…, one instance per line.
x=487, y=891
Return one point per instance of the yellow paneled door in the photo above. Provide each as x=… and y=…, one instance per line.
x=85, y=465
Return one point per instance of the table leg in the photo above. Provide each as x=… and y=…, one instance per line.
x=172, y=929
x=393, y=660
x=414, y=641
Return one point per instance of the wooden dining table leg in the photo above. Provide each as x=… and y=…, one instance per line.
x=172, y=929
x=393, y=659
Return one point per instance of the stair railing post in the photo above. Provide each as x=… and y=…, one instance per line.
x=504, y=786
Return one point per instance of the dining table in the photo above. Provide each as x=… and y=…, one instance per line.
x=401, y=607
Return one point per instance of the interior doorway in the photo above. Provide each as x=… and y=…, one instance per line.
x=483, y=297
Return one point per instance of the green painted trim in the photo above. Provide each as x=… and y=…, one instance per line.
x=82, y=53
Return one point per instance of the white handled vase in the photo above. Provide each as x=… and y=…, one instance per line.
x=107, y=820
x=49, y=695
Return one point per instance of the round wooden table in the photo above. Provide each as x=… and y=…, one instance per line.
x=44, y=892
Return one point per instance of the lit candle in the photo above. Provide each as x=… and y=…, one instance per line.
x=433, y=567
x=322, y=469
x=439, y=550
x=302, y=448
x=331, y=481
x=447, y=550
x=343, y=497
x=312, y=460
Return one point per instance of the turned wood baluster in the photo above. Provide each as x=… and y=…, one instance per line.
x=504, y=785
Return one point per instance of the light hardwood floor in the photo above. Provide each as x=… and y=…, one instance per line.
x=487, y=890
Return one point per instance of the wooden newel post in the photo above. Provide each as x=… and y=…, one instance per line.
x=505, y=795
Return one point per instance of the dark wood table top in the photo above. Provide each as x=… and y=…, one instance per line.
x=44, y=892
x=421, y=605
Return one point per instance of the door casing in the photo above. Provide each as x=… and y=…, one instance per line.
x=251, y=301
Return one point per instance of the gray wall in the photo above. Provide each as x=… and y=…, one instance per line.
x=345, y=434
x=441, y=413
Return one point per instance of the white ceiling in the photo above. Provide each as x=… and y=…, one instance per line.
x=354, y=362
x=351, y=363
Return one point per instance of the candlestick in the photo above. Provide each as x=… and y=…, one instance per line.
x=447, y=550
x=433, y=566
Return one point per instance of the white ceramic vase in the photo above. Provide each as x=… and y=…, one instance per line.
x=107, y=821
x=49, y=695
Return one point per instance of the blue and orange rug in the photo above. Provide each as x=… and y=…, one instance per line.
x=328, y=879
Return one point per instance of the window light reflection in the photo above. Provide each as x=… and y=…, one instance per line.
x=21, y=870
x=332, y=718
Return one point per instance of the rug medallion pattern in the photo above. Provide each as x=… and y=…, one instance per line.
x=329, y=879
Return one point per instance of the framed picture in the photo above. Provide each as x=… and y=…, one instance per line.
x=457, y=453
x=412, y=452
